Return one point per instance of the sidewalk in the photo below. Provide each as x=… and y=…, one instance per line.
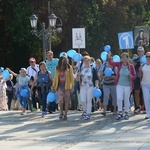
x=31, y=132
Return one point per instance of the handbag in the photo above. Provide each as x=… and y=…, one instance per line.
x=9, y=89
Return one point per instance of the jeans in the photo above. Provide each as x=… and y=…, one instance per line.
x=23, y=100
x=43, y=99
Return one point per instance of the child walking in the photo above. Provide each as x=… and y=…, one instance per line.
x=23, y=81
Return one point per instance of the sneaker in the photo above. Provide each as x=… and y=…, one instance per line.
x=83, y=114
x=43, y=113
x=119, y=116
x=143, y=112
x=147, y=117
x=137, y=111
x=126, y=117
x=103, y=113
x=22, y=113
x=33, y=109
x=86, y=117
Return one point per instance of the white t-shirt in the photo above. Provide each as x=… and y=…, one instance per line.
x=146, y=75
x=31, y=70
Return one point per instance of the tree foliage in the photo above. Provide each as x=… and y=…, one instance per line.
x=102, y=20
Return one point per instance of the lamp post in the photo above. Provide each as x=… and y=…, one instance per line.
x=46, y=34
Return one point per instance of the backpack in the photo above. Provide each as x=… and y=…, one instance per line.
x=50, y=83
x=43, y=86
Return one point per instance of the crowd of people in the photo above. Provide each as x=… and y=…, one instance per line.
x=64, y=76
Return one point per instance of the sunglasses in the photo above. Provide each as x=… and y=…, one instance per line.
x=31, y=61
x=147, y=56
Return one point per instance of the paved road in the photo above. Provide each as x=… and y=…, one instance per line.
x=31, y=132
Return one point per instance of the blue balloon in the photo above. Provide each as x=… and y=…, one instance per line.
x=51, y=97
x=5, y=74
x=77, y=57
x=97, y=92
x=107, y=48
x=24, y=93
x=71, y=53
x=143, y=59
x=108, y=72
x=62, y=53
x=116, y=58
x=103, y=56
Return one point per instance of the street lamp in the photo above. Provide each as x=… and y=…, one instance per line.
x=46, y=33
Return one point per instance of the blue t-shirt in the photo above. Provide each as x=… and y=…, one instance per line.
x=51, y=65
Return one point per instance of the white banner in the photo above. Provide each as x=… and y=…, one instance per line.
x=78, y=38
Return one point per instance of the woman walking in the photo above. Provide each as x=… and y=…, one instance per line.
x=63, y=83
x=125, y=77
x=109, y=89
x=88, y=79
x=43, y=81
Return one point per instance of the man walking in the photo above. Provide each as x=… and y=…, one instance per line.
x=32, y=70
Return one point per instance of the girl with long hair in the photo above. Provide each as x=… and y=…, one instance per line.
x=63, y=83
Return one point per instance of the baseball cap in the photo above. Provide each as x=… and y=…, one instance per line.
x=23, y=69
x=140, y=48
x=32, y=59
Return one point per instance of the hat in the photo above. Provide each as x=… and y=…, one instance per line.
x=64, y=55
x=23, y=69
x=32, y=59
x=1, y=69
x=140, y=48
